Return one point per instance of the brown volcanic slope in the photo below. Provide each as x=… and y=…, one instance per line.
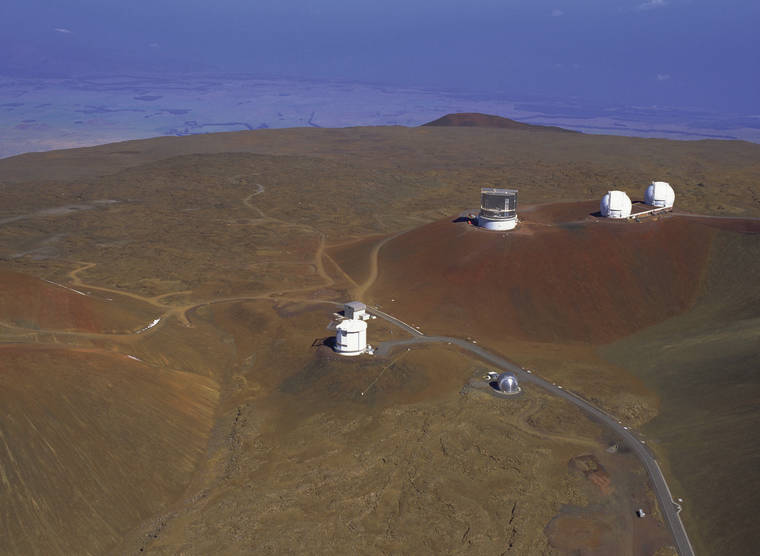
x=704, y=364
x=676, y=293
x=324, y=454
x=194, y=226
x=585, y=282
x=92, y=443
x=474, y=119
x=35, y=304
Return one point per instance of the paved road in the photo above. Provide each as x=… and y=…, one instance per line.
x=668, y=507
x=714, y=216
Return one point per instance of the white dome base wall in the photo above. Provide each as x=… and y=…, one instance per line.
x=351, y=337
x=350, y=353
x=497, y=224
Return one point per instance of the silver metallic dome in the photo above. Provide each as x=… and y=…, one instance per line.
x=508, y=383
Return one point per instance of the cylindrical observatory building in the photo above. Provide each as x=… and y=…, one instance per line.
x=351, y=338
x=498, y=209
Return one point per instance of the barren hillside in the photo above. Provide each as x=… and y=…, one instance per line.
x=168, y=388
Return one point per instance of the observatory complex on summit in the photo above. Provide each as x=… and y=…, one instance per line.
x=658, y=197
x=498, y=209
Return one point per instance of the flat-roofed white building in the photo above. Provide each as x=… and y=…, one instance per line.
x=355, y=310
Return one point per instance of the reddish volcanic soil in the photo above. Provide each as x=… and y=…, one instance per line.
x=352, y=257
x=586, y=535
x=557, y=213
x=591, y=281
x=28, y=302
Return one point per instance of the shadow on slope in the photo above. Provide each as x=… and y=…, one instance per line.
x=704, y=365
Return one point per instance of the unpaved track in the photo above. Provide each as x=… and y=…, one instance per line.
x=340, y=269
x=264, y=219
x=359, y=292
x=715, y=216
x=521, y=422
x=319, y=262
x=181, y=311
x=77, y=282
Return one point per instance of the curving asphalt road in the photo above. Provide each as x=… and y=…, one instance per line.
x=668, y=507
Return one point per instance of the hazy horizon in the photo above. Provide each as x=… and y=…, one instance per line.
x=676, y=53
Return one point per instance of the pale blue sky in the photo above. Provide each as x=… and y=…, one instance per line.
x=680, y=53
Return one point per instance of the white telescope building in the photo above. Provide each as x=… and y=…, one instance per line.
x=498, y=209
x=660, y=194
x=351, y=338
x=616, y=204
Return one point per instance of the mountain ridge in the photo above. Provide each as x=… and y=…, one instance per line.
x=476, y=119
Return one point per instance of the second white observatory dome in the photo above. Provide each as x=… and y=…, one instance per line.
x=615, y=204
x=659, y=194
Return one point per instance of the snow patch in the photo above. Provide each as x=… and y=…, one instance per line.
x=151, y=325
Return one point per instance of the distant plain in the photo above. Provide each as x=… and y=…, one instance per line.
x=44, y=114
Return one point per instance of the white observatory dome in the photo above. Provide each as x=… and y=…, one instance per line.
x=508, y=383
x=351, y=338
x=659, y=194
x=615, y=204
